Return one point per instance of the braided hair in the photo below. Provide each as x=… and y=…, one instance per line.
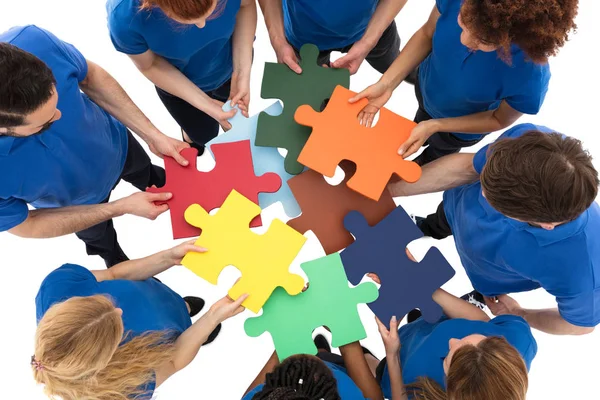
x=300, y=377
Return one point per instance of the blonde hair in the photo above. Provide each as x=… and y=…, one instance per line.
x=81, y=354
x=492, y=370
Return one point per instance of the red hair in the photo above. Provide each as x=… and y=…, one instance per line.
x=186, y=10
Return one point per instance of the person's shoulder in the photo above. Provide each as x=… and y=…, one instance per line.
x=68, y=272
x=123, y=10
x=521, y=129
x=446, y=6
x=518, y=333
x=23, y=34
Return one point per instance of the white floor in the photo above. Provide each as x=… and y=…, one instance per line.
x=565, y=367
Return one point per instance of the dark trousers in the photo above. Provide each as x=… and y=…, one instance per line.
x=381, y=57
x=101, y=239
x=441, y=143
x=436, y=225
x=199, y=126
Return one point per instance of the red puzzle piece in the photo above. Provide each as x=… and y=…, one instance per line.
x=233, y=170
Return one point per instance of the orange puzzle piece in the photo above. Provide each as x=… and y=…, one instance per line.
x=337, y=135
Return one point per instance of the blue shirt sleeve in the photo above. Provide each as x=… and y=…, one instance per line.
x=251, y=393
x=122, y=32
x=530, y=94
x=12, y=213
x=442, y=5
x=582, y=309
x=68, y=281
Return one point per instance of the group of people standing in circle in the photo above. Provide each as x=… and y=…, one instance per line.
x=522, y=210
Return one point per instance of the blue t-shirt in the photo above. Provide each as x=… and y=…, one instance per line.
x=203, y=55
x=502, y=255
x=425, y=345
x=79, y=159
x=346, y=386
x=456, y=81
x=147, y=305
x=328, y=24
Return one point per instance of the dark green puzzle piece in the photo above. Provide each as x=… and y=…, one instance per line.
x=313, y=86
x=328, y=301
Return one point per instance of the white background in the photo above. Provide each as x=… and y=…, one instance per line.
x=566, y=367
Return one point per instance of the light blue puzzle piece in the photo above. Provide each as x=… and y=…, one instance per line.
x=265, y=159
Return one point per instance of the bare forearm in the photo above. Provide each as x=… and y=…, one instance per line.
x=143, y=268
x=190, y=341
x=483, y=122
x=550, y=321
x=243, y=38
x=458, y=308
x=273, y=13
x=54, y=222
x=359, y=371
x=396, y=380
x=442, y=174
x=384, y=14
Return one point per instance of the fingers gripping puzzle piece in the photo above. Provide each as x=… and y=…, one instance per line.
x=189, y=186
x=405, y=284
x=324, y=207
x=337, y=135
x=263, y=260
x=313, y=86
x=265, y=159
x=328, y=301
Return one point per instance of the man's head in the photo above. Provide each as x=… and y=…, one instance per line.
x=542, y=179
x=28, y=97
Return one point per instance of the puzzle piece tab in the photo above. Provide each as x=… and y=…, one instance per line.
x=405, y=284
x=329, y=301
x=265, y=159
x=189, y=186
x=263, y=260
x=324, y=207
x=313, y=86
x=337, y=135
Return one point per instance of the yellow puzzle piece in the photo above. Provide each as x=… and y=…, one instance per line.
x=263, y=260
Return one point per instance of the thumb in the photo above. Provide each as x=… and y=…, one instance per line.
x=341, y=62
x=160, y=196
x=179, y=158
x=293, y=64
x=364, y=94
x=405, y=146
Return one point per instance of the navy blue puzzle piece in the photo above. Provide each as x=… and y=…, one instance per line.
x=381, y=249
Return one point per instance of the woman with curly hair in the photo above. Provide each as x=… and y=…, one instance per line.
x=482, y=65
x=118, y=334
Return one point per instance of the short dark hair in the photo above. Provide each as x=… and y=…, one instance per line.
x=26, y=83
x=540, y=178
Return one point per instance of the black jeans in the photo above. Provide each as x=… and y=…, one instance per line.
x=199, y=126
x=436, y=225
x=381, y=57
x=101, y=239
x=441, y=143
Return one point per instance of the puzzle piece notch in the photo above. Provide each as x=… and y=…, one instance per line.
x=323, y=214
x=337, y=135
x=265, y=159
x=263, y=260
x=233, y=170
x=328, y=301
x=313, y=86
x=405, y=284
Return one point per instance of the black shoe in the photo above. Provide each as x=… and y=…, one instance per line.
x=194, y=145
x=475, y=298
x=412, y=77
x=213, y=335
x=417, y=220
x=118, y=256
x=196, y=304
x=413, y=315
x=322, y=343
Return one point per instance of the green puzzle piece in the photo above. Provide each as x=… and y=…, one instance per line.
x=328, y=301
x=313, y=86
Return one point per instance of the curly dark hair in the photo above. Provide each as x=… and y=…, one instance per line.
x=539, y=27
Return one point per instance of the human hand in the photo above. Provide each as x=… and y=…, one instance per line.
x=390, y=337
x=354, y=58
x=176, y=254
x=222, y=117
x=164, y=146
x=240, y=92
x=227, y=308
x=286, y=55
x=503, y=304
x=419, y=135
x=143, y=204
x=377, y=94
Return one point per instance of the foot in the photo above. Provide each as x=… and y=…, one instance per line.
x=475, y=298
x=412, y=77
x=213, y=335
x=322, y=343
x=413, y=315
x=195, y=305
x=417, y=220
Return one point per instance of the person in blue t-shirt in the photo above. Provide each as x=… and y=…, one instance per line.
x=119, y=330
x=465, y=355
x=523, y=216
x=64, y=145
x=198, y=54
x=362, y=29
x=482, y=65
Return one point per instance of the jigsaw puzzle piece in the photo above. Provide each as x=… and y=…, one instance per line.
x=265, y=159
x=313, y=86
x=337, y=135
x=263, y=260
x=324, y=207
x=381, y=249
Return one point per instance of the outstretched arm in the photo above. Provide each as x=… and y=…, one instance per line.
x=359, y=372
x=391, y=341
x=273, y=13
x=458, y=308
